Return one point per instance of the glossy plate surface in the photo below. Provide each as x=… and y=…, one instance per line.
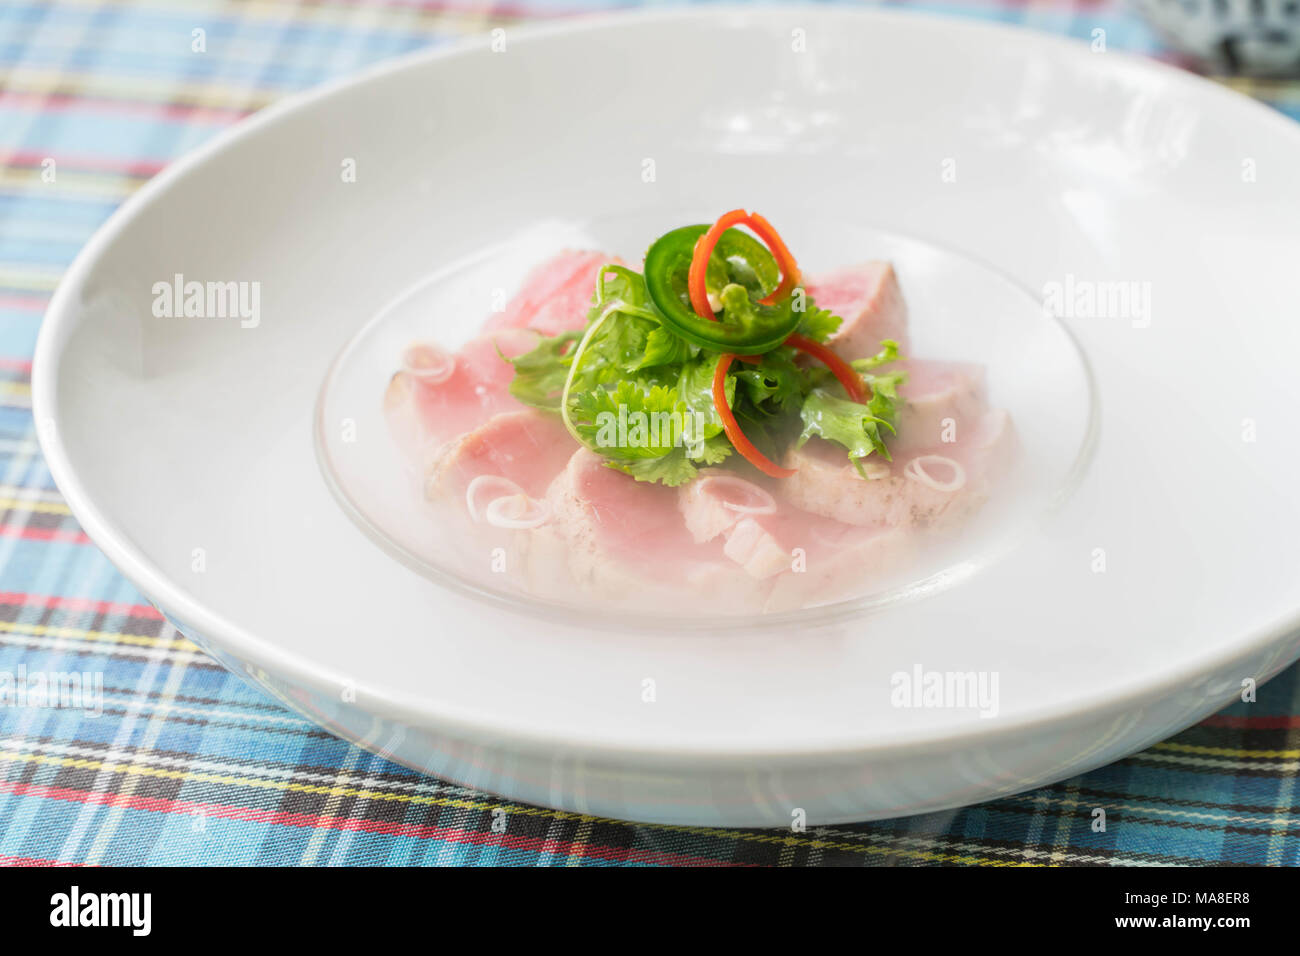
x=1153, y=211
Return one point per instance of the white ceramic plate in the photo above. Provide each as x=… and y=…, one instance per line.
x=1164, y=575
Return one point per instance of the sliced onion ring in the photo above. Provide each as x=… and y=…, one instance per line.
x=501, y=486
x=428, y=364
x=765, y=503
x=915, y=469
x=517, y=511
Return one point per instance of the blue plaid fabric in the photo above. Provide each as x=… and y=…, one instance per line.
x=173, y=760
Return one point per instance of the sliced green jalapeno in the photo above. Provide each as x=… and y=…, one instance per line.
x=740, y=272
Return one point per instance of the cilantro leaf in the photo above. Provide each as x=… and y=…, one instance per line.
x=672, y=470
x=615, y=350
x=818, y=376
x=695, y=388
x=678, y=466
x=664, y=347
x=888, y=353
x=818, y=324
x=641, y=396
x=712, y=451
x=624, y=286
x=774, y=384
x=540, y=373
x=858, y=427
x=630, y=421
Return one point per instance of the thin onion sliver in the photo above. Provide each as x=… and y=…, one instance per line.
x=504, y=486
x=431, y=374
x=915, y=469
x=528, y=512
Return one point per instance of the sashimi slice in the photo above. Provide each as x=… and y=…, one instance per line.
x=614, y=537
x=468, y=388
x=555, y=296
x=527, y=448
x=804, y=557
x=841, y=561
x=756, y=549
x=714, y=501
x=868, y=299
x=718, y=504
x=616, y=514
x=920, y=488
x=939, y=399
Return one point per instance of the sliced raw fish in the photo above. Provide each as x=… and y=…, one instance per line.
x=562, y=524
x=469, y=387
x=720, y=504
x=868, y=299
x=756, y=550
x=805, y=558
x=556, y=295
x=716, y=500
x=614, y=536
x=921, y=488
x=615, y=514
x=839, y=561
x=939, y=399
x=526, y=447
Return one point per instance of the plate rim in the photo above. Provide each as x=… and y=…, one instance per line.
x=188, y=612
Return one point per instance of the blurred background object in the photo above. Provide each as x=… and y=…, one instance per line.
x=1249, y=37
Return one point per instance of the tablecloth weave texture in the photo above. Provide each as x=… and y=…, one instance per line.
x=188, y=765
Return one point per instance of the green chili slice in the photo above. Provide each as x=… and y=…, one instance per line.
x=740, y=272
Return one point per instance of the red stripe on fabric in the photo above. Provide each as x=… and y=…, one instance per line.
x=16, y=365
x=51, y=102
x=79, y=604
x=33, y=861
x=43, y=534
x=1252, y=723
x=128, y=167
x=320, y=822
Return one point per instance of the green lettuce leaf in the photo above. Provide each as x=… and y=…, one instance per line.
x=626, y=287
x=540, y=373
x=642, y=397
x=818, y=324
x=857, y=427
x=664, y=347
x=888, y=353
x=774, y=384
x=695, y=388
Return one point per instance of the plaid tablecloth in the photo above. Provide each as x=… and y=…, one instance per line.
x=185, y=764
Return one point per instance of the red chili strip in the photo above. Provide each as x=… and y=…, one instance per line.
x=848, y=376
x=732, y=428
